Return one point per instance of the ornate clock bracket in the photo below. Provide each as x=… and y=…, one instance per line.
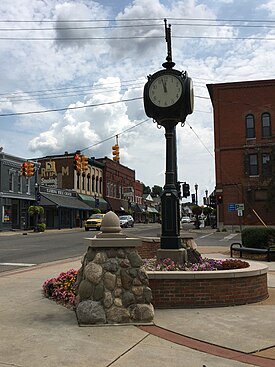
x=169, y=64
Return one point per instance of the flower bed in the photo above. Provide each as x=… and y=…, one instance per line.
x=207, y=284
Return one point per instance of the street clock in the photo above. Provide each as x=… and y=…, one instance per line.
x=168, y=95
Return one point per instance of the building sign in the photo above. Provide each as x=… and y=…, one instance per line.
x=231, y=207
x=49, y=190
x=240, y=206
x=48, y=174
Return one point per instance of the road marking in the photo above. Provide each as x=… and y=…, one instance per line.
x=207, y=235
x=16, y=264
x=229, y=237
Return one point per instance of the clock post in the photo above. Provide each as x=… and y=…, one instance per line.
x=168, y=99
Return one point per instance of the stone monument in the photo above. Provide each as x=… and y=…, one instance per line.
x=112, y=286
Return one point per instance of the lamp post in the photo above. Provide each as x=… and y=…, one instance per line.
x=196, y=195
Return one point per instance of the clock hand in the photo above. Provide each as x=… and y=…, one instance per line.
x=164, y=86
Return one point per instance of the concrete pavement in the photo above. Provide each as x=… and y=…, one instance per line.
x=35, y=331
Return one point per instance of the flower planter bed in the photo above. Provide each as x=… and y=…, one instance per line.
x=187, y=289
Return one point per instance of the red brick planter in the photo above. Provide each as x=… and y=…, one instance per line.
x=187, y=289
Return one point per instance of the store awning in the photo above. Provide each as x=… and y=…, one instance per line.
x=62, y=201
x=140, y=208
x=90, y=200
x=151, y=210
x=118, y=204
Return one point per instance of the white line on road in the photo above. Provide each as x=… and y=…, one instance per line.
x=16, y=264
x=229, y=237
x=207, y=235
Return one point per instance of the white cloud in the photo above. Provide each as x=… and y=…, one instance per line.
x=107, y=70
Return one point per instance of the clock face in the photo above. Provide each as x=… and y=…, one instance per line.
x=165, y=90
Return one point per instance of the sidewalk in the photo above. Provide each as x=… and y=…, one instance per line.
x=37, y=332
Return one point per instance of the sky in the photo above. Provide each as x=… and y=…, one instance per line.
x=73, y=73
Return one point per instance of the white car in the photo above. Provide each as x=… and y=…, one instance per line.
x=185, y=220
x=126, y=221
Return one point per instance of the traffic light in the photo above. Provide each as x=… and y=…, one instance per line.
x=115, y=152
x=219, y=199
x=185, y=190
x=77, y=162
x=23, y=169
x=212, y=200
x=193, y=198
x=84, y=162
x=30, y=169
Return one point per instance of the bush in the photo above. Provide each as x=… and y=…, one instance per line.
x=258, y=237
x=41, y=227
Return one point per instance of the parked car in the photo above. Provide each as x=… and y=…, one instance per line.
x=94, y=222
x=185, y=220
x=126, y=221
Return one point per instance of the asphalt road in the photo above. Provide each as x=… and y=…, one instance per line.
x=28, y=249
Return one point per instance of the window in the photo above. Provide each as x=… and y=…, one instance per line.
x=11, y=181
x=266, y=164
x=253, y=165
x=250, y=126
x=19, y=187
x=266, y=125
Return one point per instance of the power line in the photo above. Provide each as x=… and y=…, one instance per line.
x=113, y=136
x=67, y=108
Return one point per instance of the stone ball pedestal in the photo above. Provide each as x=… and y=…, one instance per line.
x=112, y=286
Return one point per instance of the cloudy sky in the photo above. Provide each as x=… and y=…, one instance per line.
x=73, y=72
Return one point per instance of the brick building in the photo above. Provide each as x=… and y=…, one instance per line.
x=68, y=196
x=244, y=125
x=119, y=185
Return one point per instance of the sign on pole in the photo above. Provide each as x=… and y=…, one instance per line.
x=240, y=206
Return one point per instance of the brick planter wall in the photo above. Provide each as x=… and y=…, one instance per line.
x=228, y=288
x=148, y=248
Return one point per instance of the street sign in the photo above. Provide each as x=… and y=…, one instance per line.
x=231, y=207
x=240, y=213
x=240, y=206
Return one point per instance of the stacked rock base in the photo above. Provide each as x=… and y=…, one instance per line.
x=113, y=288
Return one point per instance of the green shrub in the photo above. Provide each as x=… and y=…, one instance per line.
x=258, y=237
x=41, y=227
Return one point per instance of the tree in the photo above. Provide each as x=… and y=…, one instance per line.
x=36, y=211
x=156, y=191
x=146, y=189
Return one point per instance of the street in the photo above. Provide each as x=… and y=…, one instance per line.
x=25, y=249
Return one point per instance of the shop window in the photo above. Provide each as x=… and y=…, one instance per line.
x=250, y=126
x=7, y=214
x=266, y=164
x=266, y=125
x=253, y=165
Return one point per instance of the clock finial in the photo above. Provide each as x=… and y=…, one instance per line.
x=169, y=64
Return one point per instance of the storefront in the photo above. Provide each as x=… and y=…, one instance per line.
x=62, y=208
x=14, y=212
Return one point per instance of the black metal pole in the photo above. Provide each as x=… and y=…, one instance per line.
x=169, y=198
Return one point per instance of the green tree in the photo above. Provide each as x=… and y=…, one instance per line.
x=36, y=211
x=146, y=189
x=156, y=191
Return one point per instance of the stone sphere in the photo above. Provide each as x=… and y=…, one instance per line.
x=110, y=223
